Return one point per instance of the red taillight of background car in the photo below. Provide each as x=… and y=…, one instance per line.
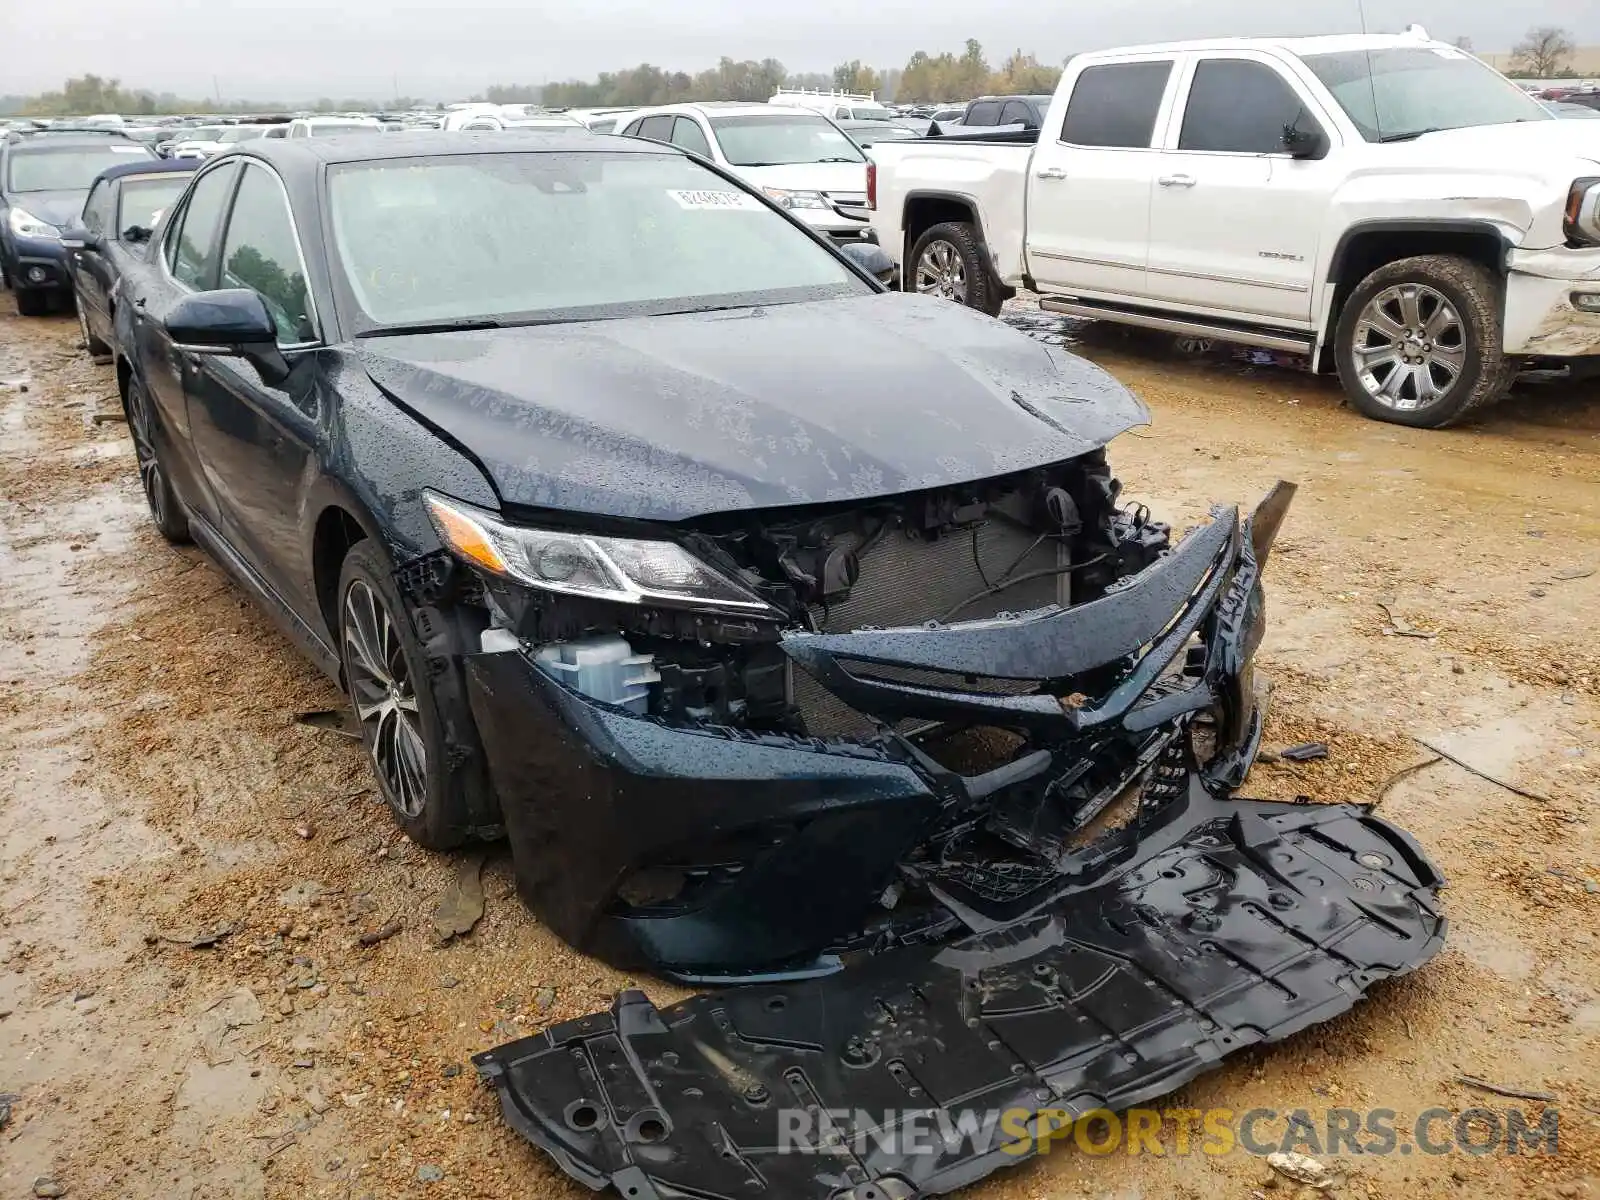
x=872, y=186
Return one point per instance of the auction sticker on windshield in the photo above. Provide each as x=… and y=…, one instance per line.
x=695, y=199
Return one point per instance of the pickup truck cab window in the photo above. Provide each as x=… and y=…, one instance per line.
x=1116, y=105
x=1239, y=107
x=984, y=112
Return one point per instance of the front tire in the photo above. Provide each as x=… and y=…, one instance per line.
x=166, y=510
x=412, y=705
x=31, y=302
x=949, y=261
x=1419, y=342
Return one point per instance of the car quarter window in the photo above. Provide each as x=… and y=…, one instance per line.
x=193, y=255
x=1116, y=105
x=688, y=134
x=656, y=129
x=1238, y=106
x=99, y=208
x=260, y=252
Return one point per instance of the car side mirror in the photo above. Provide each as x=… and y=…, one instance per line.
x=75, y=236
x=871, y=258
x=1305, y=143
x=232, y=321
x=137, y=234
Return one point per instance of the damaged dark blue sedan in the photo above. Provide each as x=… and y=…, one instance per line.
x=793, y=632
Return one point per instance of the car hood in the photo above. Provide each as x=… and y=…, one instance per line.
x=665, y=418
x=1539, y=145
x=56, y=207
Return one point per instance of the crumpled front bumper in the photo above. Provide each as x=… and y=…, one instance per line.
x=1221, y=924
x=793, y=841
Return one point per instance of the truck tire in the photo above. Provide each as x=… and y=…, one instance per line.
x=949, y=260
x=1419, y=342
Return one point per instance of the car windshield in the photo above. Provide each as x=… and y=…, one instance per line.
x=528, y=238
x=241, y=133
x=200, y=133
x=67, y=168
x=782, y=139
x=329, y=128
x=146, y=199
x=871, y=114
x=1401, y=92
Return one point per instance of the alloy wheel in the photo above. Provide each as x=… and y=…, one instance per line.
x=941, y=272
x=142, y=428
x=385, y=698
x=1410, y=347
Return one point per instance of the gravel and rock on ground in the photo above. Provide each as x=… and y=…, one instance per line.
x=156, y=792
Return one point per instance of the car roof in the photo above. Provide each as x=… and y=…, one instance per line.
x=306, y=154
x=151, y=166
x=723, y=108
x=1299, y=46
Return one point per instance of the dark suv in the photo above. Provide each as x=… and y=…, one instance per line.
x=43, y=184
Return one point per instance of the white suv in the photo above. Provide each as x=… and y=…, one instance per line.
x=800, y=159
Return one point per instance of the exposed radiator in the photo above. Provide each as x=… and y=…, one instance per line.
x=906, y=581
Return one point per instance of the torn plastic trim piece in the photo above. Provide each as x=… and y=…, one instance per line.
x=1234, y=923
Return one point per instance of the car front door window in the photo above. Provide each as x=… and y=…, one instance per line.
x=194, y=242
x=261, y=252
x=1239, y=107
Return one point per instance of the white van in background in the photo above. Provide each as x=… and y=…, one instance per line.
x=836, y=106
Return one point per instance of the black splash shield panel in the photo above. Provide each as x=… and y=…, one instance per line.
x=1227, y=924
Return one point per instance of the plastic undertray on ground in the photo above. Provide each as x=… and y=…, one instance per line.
x=1230, y=924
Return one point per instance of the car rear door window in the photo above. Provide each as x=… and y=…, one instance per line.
x=984, y=112
x=1239, y=107
x=260, y=252
x=656, y=129
x=1116, y=105
x=193, y=243
x=688, y=134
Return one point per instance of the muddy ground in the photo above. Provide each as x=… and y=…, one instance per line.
x=155, y=790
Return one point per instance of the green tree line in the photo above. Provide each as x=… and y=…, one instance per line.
x=84, y=95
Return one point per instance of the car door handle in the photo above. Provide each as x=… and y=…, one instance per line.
x=1052, y=173
x=1183, y=181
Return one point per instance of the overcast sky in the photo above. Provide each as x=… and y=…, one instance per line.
x=301, y=49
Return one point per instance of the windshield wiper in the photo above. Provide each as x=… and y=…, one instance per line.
x=459, y=326
x=1412, y=136
x=838, y=160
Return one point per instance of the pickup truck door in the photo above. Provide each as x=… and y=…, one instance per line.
x=1089, y=184
x=1234, y=219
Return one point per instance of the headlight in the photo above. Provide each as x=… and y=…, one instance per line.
x=627, y=570
x=1582, y=223
x=785, y=198
x=25, y=224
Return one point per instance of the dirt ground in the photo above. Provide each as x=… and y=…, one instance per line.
x=155, y=791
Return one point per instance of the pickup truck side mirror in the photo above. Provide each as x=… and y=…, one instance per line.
x=1305, y=143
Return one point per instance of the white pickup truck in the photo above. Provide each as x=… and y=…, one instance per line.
x=1388, y=206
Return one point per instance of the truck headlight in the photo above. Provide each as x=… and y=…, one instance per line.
x=1582, y=215
x=625, y=570
x=24, y=224
x=785, y=198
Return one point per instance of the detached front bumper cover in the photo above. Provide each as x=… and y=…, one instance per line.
x=1222, y=924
